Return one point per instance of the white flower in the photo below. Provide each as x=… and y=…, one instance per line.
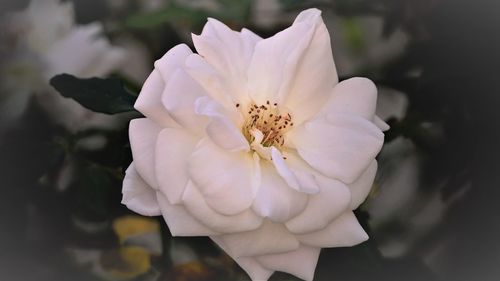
x=47, y=42
x=254, y=143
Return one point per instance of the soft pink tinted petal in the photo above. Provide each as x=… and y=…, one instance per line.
x=275, y=199
x=137, y=195
x=340, y=146
x=226, y=179
x=210, y=79
x=173, y=148
x=315, y=74
x=274, y=61
x=254, y=269
x=380, y=123
x=222, y=129
x=179, y=99
x=149, y=101
x=179, y=221
x=143, y=134
x=196, y=205
x=301, y=262
x=269, y=238
x=362, y=186
x=344, y=231
x=357, y=96
x=228, y=51
x=332, y=200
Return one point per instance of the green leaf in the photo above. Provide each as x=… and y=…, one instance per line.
x=100, y=95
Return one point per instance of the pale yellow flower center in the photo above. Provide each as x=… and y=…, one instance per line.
x=265, y=125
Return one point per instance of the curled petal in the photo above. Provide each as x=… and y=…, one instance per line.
x=149, y=100
x=301, y=262
x=340, y=146
x=173, y=148
x=197, y=206
x=137, y=195
x=297, y=178
x=222, y=127
x=344, y=231
x=269, y=238
x=332, y=200
x=380, y=123
x=362, y=186
x=179, y=99
x=143, y=134
x=179, y=221
x=275, y=199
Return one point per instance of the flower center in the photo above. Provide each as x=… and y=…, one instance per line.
x=266, y=125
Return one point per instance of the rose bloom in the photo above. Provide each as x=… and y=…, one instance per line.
x=254, y=143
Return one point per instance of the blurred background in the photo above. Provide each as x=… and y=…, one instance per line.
x=434, y=211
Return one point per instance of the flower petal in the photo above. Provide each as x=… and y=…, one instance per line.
x=179, y=99
x=301, y=262
x=315, y=74
x=340, y=146
x=227, y=182
x=332, y=200
x=179, y=221
x=344, y=231
x=137, y=195
x=197, y=206
x=173, y=148
x=222, y=128
x=362, y=186
x=143, y=134
x=269, y=238
x=149, y=100
x=228, y=51
x=275, y=199
x=357, y=96
x=254, y=269
x=380, y=123
x=274, y=60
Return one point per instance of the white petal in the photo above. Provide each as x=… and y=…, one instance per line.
x=301, y=262
x=143, y=134
x=149, y=101
x=222, y=129
x=304, y=173
x=362, y=186
x=315, y=74
x=173, y=148
x=254, y=269
x=196, y=205
x=210, y=79
x=275, y=199
x=357, y=96
x=332, y=200
x=228, y=51
x=179, y=221
x=274, y=61
x=344, y=231
x=380, y=123
x=172, y=60
x=283, y=170
x=226, y=179
x=179, y=99
x=340, y=146
x=137, y=195
x=269, y=238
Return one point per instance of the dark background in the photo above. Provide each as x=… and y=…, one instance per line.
x=449, y=70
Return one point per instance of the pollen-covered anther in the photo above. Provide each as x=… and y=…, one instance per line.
x=268, y=119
